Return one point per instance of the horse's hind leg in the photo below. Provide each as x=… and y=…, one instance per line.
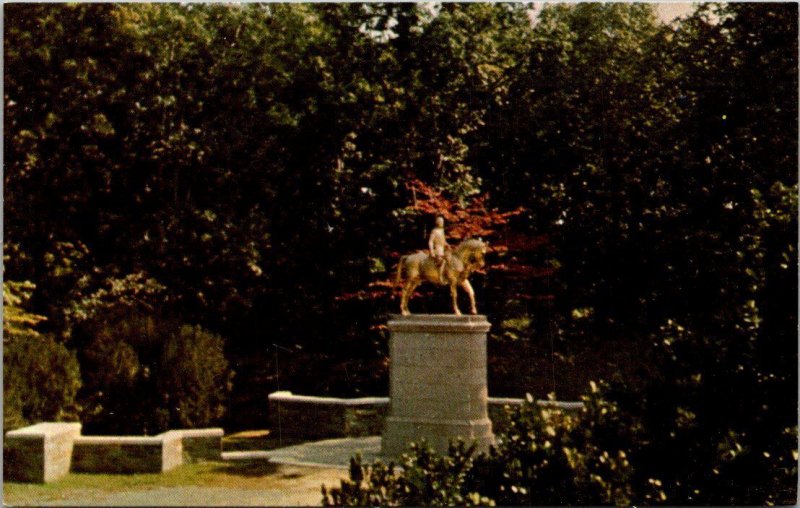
x=454, y=295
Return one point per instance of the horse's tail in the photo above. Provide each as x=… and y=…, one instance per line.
x=399, y=270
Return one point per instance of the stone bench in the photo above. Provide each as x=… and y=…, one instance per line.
x=201, y=444
x=47, y=451
x=39, y=453
x=309, y=417
x=127, y=454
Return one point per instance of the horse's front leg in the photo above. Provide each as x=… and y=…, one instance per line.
x=454, y=294
x=408, y=291
x=404, y=299
x=471, y=292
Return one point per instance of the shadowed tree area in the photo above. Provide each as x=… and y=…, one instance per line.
x=204, y=203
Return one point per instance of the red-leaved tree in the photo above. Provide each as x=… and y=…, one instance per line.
x=469, y=218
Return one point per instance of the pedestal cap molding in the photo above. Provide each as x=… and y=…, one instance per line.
x=439, y=323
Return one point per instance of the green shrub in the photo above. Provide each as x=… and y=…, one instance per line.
x=41, y=377
x=549, y=457
x=195, y=378
x=144, y=375
x=40, y=381
x=543, y=458
x=425, y=479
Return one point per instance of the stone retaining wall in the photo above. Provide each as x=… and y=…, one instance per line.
x=308, y=417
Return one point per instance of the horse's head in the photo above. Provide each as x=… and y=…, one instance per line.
x=473, y=253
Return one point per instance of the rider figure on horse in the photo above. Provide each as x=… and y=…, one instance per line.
x=437, y=246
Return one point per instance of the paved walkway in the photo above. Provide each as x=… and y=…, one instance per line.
x=334, y=453
x=296, y=479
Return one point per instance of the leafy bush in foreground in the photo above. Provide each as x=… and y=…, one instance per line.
x=623, y=448
x=543, y=458
x=549, y=457
x=425, y=479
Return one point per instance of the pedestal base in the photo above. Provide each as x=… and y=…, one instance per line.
x=438, y=382
x=399, y=432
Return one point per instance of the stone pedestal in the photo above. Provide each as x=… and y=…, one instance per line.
x=437, y=382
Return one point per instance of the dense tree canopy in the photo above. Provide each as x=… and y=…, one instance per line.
x=256, y=170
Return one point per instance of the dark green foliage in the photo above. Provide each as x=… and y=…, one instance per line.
x=253, y=160
x=41, y=379
x=146, y=375
x=693, y=435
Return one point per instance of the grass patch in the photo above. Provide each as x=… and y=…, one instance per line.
x=250, y=440
x=204, y=473
x=257, y=474
x=239, y=474
x=77, y=485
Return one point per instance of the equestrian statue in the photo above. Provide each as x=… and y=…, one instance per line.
x=442, y=265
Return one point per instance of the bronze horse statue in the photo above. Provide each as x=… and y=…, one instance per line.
x=420, y=267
